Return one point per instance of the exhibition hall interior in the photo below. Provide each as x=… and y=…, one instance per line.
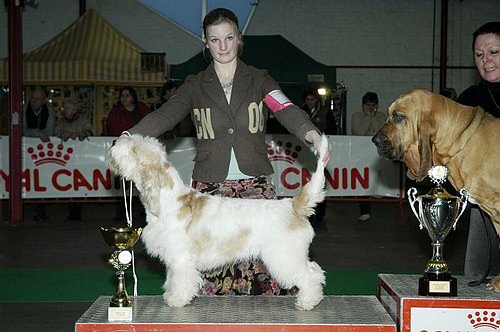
x=105, y=230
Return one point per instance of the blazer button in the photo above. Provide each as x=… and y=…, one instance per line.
x=230, y=131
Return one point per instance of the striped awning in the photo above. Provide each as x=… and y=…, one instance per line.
x=90, y=51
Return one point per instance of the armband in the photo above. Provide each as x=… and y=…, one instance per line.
x=276, y=101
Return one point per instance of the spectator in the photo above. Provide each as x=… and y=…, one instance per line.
x=226, y=101
x=319, y=114
x=73, y=125
x=39, y=117
x=126, y=113
x=366, y=123
x=38, y=121
x=185, y=128
x=482, y=257
x=167, y=90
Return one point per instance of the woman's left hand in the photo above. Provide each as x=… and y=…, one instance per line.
x=315, y=138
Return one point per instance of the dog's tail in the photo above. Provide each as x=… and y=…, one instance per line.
x=313, y=192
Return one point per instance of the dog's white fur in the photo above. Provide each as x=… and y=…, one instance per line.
x=192, y=232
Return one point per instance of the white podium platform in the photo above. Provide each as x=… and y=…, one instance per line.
x=243, y=313
x=475, y=308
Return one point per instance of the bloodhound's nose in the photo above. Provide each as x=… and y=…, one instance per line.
x=378, y=138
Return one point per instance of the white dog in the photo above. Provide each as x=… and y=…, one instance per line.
x=191, y=232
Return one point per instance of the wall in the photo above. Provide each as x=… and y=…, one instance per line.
x=384, y=46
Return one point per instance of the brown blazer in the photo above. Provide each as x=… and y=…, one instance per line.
x=220, y=126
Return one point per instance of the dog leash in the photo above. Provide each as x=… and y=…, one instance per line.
x=128, y=216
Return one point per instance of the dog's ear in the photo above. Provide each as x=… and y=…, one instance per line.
x=154, y=178
x=412, y=161
x=150, y=190
x=427, y=129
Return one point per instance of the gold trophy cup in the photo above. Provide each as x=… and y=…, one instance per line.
x=438, y=212
x=122, y=239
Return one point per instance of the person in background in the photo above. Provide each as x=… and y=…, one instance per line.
x=167, y=90
x=39, y=121
x=482, y=257
x=366, y=123
x=319, y=114
x=39, y=117
x=185, y=127
x=324, y=120
x=229, y=104
x=73, y=125
x=125, y=114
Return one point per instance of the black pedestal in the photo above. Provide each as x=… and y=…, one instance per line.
x=442, y=284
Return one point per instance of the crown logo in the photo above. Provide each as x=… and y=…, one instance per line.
x=283, y=151
x=484, y=319
x=50, y=153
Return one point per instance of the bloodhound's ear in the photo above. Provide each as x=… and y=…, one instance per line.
x=427, y=134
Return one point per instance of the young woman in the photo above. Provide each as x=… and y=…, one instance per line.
x=229, y=103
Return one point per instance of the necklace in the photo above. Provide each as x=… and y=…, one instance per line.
x=494, y=101
x=228, y=86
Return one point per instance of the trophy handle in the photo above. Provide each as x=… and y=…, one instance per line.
x=412, y=198
x=464, y=198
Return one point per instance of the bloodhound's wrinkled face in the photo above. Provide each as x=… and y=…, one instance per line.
x=406, y=136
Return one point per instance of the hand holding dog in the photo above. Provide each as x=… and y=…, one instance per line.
x=314, y=137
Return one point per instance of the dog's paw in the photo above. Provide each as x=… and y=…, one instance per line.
x=494, y=284
x=307, y=304
x=174, y=300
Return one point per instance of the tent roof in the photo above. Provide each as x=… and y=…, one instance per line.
x=89, y=51
x=286, y=63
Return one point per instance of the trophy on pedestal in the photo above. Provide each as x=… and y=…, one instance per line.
x=437, y=211
x=122, y=239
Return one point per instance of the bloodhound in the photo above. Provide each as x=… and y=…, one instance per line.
x=424, y=129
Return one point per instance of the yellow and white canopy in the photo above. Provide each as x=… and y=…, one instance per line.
x=90, y=51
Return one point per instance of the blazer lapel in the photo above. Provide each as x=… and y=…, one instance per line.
x=210, y=83
x=241, y=83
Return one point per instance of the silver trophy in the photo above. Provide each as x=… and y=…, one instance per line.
x=437, y=211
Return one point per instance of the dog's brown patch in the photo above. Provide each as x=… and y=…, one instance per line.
x=166, y=181
x=192, y=207
x=201, y=244
x=186, y=209
x=235, y=245
x=300, y=210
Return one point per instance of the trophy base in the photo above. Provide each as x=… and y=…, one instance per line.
x=442, y=284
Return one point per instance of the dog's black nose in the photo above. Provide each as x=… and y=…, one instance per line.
x=378, y=138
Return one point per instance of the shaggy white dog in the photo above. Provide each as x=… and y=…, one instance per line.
x=192, y=232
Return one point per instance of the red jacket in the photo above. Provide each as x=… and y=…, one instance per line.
x=119, y=119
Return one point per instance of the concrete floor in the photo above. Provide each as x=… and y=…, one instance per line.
x=389, y=241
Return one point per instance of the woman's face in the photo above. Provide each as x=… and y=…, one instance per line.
x=487, y=56
x=222, y=41
x=311, y=101
x=126, y=99
x=69, y=112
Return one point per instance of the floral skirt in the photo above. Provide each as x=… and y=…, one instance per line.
x=247, y=278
